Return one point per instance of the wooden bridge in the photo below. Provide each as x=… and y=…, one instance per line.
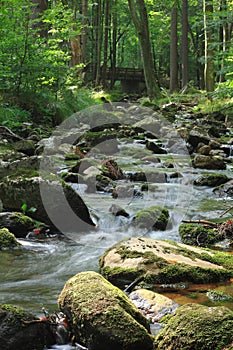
x=131, y=79
x=125, y=74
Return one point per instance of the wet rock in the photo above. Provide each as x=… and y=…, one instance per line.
x=152, y=146
x=123, y=191
x=196, y=136
x=7, y=239
x=50, y=198
x=155, y=218
x=22, y=330
x=18, y=223
x=163, y=262
x=153, y=306
x=204, y=150
x=151, y=124
x=104, y=183
x=209, y=162
x=25, y=146
x=211, y=180
x=116, y=210
x=225, y=189
x=196, y=327
x=101, y=316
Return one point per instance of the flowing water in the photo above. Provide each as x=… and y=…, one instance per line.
x=33, y=276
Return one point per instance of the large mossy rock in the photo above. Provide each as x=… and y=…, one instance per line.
x=18, y=223
x=7, y=239
x=48, y=200
x=22, y=330
x=163, y=262
x=209, y=162
x=154, y=217
x=197, y=327
x=101, y=316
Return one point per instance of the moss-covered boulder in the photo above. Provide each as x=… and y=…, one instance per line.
x=209, y=162
x=22, y=330
x=101, y=316
x=211, y=180
x=7, y=239
x=163, y=262
x=47, y=199
x=198, y=235
x=154, y=217
x=18, y=223
x=196, y=327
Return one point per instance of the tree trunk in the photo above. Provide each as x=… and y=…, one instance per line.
x=114, y=45
x=140, y=19
x=38, y=7
x=106, y=41
x=184, y=44
x=209, y=52
x=84, y=30
x=223, y=37
x=174, y=50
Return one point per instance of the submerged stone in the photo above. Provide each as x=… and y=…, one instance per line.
x=101, y=316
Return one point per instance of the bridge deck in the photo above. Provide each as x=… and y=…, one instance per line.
x=135, y=74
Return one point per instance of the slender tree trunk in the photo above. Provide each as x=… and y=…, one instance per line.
x=99, y=40
x=184, y=45
x=174, y=50
x=209, y=52
x=76, y=50
x=84, y=30
x=223, y=37
x=114, y=44
x=140, y=19
x=106, y=41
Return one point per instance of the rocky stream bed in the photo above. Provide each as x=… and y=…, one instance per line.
x=120, y=217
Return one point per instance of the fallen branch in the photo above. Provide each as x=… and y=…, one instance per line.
x=203, y=222
x=226, y=211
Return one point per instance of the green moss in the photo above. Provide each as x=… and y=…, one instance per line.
x=198, y=235
x=154, y=217
x=22, y=173
x=196, y=327
x=211, y=180
x=21, y=219
x=7, y=239
x=100, y=312
x=174, y=273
